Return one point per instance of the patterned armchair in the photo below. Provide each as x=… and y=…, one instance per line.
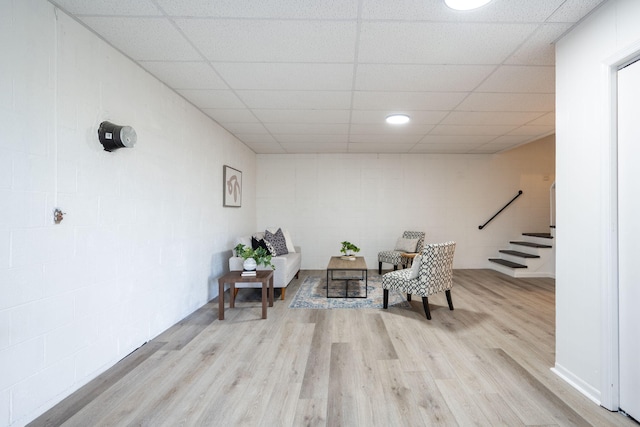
x=430, y=274
x=394, y=257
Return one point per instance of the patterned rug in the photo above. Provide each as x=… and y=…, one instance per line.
x=313, y=294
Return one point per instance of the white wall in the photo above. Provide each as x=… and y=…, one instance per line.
x=145, y=234
x=370, y=199
x=584, y=191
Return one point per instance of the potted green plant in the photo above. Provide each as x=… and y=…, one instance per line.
x=253, y=257
x=348, y=249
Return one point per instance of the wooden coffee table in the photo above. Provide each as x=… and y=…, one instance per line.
x=263, y=276
x=336, y=263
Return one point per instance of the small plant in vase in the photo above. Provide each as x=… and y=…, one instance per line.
x=253, y=257
x=348, y=249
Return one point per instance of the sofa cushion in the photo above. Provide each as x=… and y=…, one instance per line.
x=287, y=238
x=277, y=241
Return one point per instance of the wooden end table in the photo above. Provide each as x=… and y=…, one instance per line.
x=407, y=258
x=263, y=276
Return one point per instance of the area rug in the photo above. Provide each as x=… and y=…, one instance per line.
x=313, y=294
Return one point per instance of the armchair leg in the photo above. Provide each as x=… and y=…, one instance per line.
x=408, y=297
x=282, y=294
x=395, y=267
x=385, y=298
x=448, y=293
x=425, y=304
x=379, y=267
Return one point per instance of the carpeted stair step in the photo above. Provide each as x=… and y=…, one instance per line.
x=518, y=254
x=531, y=244
x=541, y=235
x=507, y=263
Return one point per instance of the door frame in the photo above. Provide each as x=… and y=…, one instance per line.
x=610, y=389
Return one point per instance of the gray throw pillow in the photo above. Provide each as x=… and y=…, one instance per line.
x=406, y=245
x=277, y=242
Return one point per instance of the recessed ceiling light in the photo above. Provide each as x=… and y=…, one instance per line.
x=398, y=119
x=465, y=4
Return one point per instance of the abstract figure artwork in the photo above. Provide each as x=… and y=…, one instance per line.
x=232, y=187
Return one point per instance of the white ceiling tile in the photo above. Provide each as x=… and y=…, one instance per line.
x=380, y=147
x=278, y=9
x=311, y=138
x=574, y=10
x=369, y=100
x=272, y=41
x=229, y=115
x=386, y=130
x=299, y=128
x=540, y=48
x=436, y=10
x=421, y=78
x=466, y=118
x=510, y=140
x=471, y=130
x=185, y=75
x=207, y=98
x=302, y=116
x=256, y=138
x=508, y=102
x=440, y=43
x=109, y=7
x=457, y=139
x=284, y=100
x=266, y=148
x=538, y=131
x=388, y=138
x=489, y=149
x=246, y=128
x=329, y=147
x=548, y=119
x=443, y=148
x=521, y=79
x=378, y=116
x=144, y=38
x=272, y=76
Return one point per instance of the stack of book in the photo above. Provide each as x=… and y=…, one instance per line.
x=249, y=273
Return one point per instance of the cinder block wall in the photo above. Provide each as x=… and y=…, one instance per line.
x=145, y=234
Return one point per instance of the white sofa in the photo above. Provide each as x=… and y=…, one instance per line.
x=286, y=266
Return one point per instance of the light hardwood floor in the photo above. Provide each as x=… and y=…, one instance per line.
x=486, y=363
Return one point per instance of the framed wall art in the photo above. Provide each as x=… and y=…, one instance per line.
x=232, y=187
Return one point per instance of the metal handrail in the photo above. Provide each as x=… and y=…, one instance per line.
x=503, y=208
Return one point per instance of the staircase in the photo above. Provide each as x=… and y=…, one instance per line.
x=532, y=256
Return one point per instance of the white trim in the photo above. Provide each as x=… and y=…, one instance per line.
x=590, y=392
x=610, y=380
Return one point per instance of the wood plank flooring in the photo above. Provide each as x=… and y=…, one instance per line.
x=487, y=363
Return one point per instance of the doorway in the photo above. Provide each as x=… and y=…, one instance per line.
x=628, y=186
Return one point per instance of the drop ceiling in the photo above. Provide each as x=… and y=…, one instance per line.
x=320, y=76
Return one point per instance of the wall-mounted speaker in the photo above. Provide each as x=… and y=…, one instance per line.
x=112, y=136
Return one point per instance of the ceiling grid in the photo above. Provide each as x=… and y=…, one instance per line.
x=321, y=76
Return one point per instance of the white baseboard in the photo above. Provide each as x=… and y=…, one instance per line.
x=589, y=391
